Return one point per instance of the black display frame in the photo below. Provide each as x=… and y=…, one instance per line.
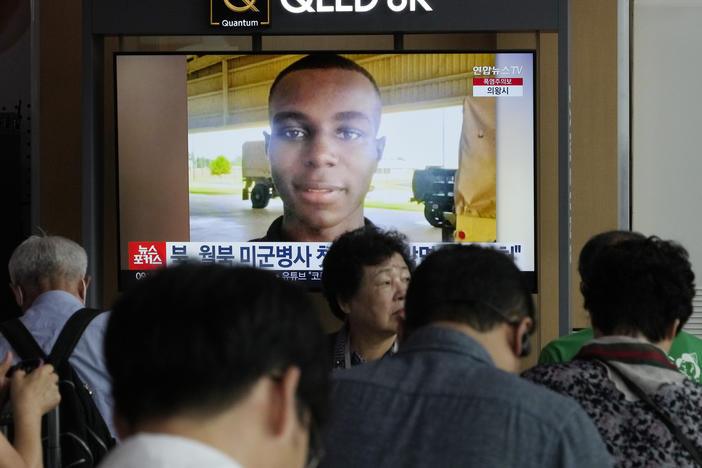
x=127, y=278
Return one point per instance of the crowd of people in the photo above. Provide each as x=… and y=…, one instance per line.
x=207, y=365
x=229, y=367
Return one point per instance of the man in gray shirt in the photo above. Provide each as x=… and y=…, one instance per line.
x=450, y=397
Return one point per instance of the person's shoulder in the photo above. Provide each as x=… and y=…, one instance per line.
x=554, y=415
x=165, y=450
x=576, y=436
x=99, y=321
x=535, y=380
x=88, y=354
x=391, y=375
x=566, y=347
x=683, y=400
x=686, y=340
x=558, y=370
x=686, y=335
x=274, y=232
x=102, y=316
x=565, y=377
x=365, y=373
x=687, y=390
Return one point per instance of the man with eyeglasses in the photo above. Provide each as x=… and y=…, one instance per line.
x=449, y=397
x=218, y=367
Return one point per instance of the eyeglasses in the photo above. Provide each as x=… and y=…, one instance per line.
x=315, y=450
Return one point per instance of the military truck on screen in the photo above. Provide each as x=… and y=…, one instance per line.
x=433, y=186
x=256, y=172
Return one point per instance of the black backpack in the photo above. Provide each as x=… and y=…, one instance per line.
x=81, y=437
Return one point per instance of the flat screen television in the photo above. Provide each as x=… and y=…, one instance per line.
x=195, y=179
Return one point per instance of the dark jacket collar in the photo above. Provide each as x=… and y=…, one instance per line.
x=275, y=231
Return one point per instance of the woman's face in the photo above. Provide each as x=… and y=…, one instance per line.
x=379, y=305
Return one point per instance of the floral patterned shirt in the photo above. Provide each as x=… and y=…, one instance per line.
x=633, y=434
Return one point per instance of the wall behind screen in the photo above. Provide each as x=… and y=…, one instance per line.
x=151, y=87
x=666, y=156
x=594, y=174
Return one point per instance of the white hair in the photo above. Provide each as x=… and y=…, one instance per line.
x=41, y=258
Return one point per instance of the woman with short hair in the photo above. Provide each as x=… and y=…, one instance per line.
x=365, y=275
x=639, y=295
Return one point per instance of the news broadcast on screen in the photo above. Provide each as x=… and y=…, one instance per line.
x=221, y=168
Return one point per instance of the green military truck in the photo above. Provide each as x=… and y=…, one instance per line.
x=256, y=172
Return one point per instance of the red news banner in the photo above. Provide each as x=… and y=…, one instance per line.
x=282, y=256
x=503, y=87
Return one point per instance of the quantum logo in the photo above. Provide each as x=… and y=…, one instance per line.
x=240, y=13
x=358, y=6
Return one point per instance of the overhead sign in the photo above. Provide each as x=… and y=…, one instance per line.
x=249, y=14
x=357, y=6
x=240, y=13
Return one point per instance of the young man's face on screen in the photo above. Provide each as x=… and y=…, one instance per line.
x=323, y=150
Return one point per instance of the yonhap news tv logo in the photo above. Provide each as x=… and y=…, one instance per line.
x=240, y=13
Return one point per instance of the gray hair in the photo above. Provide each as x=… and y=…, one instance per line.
x=41, y=258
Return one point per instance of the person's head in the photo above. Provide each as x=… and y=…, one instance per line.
x=196, y=341
x=324, y=114
x=476, y=287
x=640, y=286
x=365, y=275
x=45, y=263
x=595, y=244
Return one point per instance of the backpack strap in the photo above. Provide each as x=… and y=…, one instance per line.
x=70, y=334
x=21, y=340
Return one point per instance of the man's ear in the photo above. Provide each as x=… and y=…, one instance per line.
x=345, y=306
x=283, y=402
x=83, y=287
x=17, y=292
x=672, y=332
x=519, y=344
x=379, y=147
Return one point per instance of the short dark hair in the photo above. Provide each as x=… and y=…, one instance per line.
x=195, y=338
x=322, y=61
x=342, y=268
x=470, y=284
x=596, y=243
x=640, y=285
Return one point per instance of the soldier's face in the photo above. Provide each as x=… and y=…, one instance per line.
x=323, y=147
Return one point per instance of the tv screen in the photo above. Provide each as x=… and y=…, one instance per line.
x=214, y=167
